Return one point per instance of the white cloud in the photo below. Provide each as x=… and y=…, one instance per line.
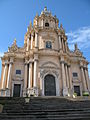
x=89, y=70
x=80, y=36
x=1, y=54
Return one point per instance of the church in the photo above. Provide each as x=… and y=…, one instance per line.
x=44, y=66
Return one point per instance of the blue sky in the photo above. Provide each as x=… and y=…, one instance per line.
x=15, y=16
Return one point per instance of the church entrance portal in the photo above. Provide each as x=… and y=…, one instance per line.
x=77, y=90
x=16, y=91
x=49, y=85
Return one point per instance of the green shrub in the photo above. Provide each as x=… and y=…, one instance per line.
x=75, y=94
x=85, y=94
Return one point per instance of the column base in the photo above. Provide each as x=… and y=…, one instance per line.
x=70, y=91
x=35, y=89
x=65, y=92
x=7, y=92
x=2, y=93
x=32, y=92
x=24, y=93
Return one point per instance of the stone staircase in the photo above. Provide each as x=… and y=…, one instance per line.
x=44, y=108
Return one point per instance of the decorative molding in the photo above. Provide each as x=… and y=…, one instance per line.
x=49, y=64
x=43, y=72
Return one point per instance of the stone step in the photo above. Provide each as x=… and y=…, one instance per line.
x=47, y=112
x=33, y=106
x=39, y=110
x=47, y=116
x=44, y=109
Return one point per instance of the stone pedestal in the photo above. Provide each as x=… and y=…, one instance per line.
x=35, y=90
x=7, y=92
x=24, y=93
x=2, y=93
x=32, y=92
x=65, y=92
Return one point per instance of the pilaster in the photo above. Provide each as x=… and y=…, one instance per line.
x=4, y=76
x=28, y=43
x=83, y=79
x=36, y=39
x=87, y=78
x=65, y=90
x=70, y=80
x=32, y=40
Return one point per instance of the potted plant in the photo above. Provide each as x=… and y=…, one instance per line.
x=27, y=98
x=74, y=95
x=86, y=94
x=1, y=108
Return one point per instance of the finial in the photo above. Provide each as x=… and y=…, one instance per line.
x=76, y=47
x=14, y=41
x=55, y=16
x=27, y=29
x=61, y=26
x=30, y=23
x=36, y=14
x=45, y=8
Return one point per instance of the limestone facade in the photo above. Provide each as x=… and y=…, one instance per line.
x=44, y=66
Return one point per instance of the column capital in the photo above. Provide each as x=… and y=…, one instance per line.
x=32, y=33
x=30, y=61
x=6, y=63
x=25, y=63
x=36, y=31
x=62, y=36
x=26, y=58
x=69, y=65
x=28, y=36
x=62, y=62
x=59, y=34
x=81, y=66
x=10, y=62
x=65, y=64
x=36, y=57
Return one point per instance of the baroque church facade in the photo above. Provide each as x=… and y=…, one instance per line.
x=44, y=66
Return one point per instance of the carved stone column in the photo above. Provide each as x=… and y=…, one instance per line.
x=28, y=43
x=36, y=40
x=66, y=46
x=30, y=75
x=4, y=76
x=70, y=80
x=35, y=85
x=67, y=80
x=42, y=23
x=87, y=79
x=7, y=92
x=32, y=40
x=35, y=73
x=25, y=76
x=83, y=79
x=9, y=75
x=65, y=91
x=60, y=44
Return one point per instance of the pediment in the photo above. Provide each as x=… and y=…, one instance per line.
x=49, y=64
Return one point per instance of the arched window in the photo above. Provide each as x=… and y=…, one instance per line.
x=48, y=44
x=46, y=24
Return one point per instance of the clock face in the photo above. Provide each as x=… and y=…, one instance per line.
x=48, y=44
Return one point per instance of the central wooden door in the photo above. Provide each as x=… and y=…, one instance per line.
x=49, y=85
x=17, y=89
x=77, y=90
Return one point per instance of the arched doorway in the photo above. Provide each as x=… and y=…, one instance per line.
x=49, y=85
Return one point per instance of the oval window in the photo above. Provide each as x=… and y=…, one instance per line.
x=46, y=24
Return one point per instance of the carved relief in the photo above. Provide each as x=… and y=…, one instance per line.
x=48, y=71
x=13, y=48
